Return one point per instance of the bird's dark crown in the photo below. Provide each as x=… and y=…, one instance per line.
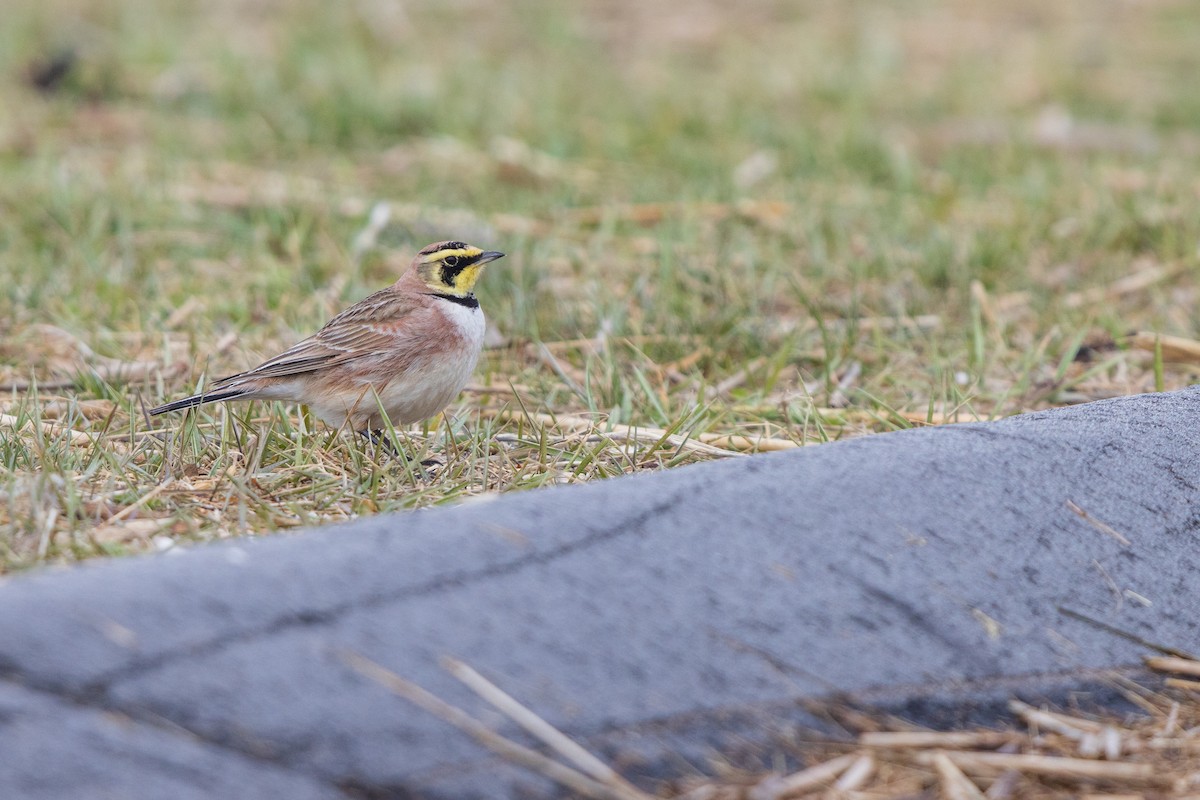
x=438, y=247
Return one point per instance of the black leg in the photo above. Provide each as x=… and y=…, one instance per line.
x=381, y=440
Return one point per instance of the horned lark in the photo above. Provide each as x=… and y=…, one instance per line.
x=405, y=351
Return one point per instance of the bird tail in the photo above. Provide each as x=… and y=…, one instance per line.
x=200, y=399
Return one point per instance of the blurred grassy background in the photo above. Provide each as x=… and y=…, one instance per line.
x=786, y=221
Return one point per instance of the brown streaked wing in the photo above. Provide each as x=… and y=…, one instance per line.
x=381, y=322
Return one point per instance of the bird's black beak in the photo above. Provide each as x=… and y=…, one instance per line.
x=488, y=255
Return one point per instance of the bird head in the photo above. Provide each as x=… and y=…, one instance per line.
x=452, y=267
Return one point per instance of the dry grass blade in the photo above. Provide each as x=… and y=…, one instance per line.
x=109, y=372
x=947, y=740
x=547, y=733
x=518, y=754
x=1127, y=284
x=706, y=443
x=1104, y=528
x=52, y=407
x=747, y=444
x=955, y=785
x=1180, y=666
x=1183, y=683
x=857, y=775
x=1074, y=769
x=1174, y=348
x=75, y=437
x=935, y=418
x=1094, y=739
x=1057, y=723
x=778, y=787
x=128, y=531
x=688, y=361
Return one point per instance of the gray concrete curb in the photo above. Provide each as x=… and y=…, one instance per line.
x=648, y=616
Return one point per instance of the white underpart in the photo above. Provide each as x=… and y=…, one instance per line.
x=428, y=388
x=419, y=392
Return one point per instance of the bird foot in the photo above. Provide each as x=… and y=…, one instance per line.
x=381, y=440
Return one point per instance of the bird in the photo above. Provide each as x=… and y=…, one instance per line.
x=404, y=352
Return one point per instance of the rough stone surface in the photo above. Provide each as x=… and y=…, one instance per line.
x=647, y=615
x=54, y=748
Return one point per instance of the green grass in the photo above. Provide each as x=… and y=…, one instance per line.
x=797, y=221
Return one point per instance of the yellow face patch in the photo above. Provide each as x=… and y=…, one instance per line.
x=464, y=280
x=452, y=270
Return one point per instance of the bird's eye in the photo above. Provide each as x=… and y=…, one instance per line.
x=450, y=261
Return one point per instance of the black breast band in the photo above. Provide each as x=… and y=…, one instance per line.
x=469, y=301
